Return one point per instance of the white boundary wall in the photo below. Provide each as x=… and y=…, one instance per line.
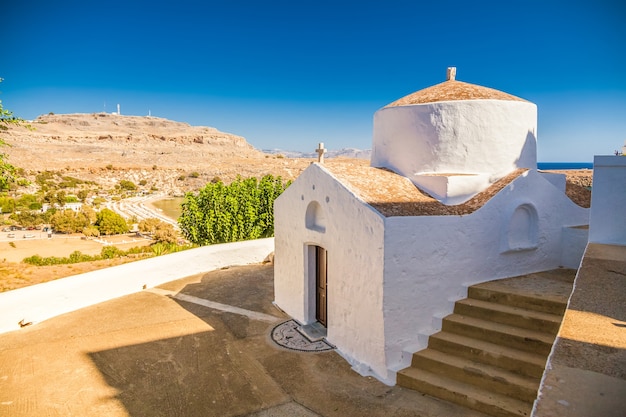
x=43, y=301
x=607, y=223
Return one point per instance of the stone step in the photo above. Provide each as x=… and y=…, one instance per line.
x=503, y=334
x=514, y=360
x=547, y=292
x=488, y=377
x=491, y=352
x=469, y=396
x=505, y=314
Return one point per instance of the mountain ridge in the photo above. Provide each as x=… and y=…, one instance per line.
x=173, y=157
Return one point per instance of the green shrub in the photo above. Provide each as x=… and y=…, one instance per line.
x=78, y=256
x=110, y=252
x=127, y=185
x=240, y=211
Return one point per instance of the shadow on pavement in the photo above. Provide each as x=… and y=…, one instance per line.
x=236, y=370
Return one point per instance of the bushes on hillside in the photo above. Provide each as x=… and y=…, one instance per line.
x=107, y=252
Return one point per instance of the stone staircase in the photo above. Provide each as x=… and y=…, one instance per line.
x=491, y=352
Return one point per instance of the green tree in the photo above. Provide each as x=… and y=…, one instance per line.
x=110, y=223
x=240, y=211
x=127, y=185
x=165, y=233
x=7, y=171
x=149, y=225
x=55, y=198
x=82, y=195
x=60, y=198
x=161, y=231
x=27, y=218
x=7, y=204
x=26, y=201
x=90, y=213
x=91, y=231
x=69, y=221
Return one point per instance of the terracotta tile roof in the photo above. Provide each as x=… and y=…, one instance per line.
x=453, y=90
x=394, y=195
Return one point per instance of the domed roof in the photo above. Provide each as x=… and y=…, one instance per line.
x=451, y=90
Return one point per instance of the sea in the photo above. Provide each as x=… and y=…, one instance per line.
x=564, y=165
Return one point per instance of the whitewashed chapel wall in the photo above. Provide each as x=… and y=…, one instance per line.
x=431, y=260
x=352, y=233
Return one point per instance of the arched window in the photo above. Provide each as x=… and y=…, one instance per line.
x=523, y=229
x=315, y=219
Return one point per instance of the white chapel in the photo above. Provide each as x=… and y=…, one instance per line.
x=377, y=255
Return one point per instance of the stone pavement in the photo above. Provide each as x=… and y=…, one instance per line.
x=586, y=375
x=198, y=346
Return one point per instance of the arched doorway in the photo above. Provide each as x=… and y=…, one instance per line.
x=317, y=283
x=321, y=282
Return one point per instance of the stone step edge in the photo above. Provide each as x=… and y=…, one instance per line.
x=463, y=394
x=477, y=374
x=489, y=353
x=526, y=301
x=553, y=321
x=517, y=334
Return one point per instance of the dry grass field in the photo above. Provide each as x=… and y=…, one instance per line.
x=16, y=274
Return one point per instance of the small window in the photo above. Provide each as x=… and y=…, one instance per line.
x=315, y=219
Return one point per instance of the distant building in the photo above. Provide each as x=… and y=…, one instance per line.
x=68, y=206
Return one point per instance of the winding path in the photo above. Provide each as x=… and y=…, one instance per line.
x=135, y=206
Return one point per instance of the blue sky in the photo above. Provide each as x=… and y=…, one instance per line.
x=289, y=74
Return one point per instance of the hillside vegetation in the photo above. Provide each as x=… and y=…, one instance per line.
x=172, y=157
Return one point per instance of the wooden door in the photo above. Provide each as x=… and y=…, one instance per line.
x=321, y=308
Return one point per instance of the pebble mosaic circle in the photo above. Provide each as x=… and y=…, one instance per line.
x=286, y=335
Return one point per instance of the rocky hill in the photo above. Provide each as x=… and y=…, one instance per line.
x=170, y=156
x=165, y=155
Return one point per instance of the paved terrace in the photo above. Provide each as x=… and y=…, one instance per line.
x=586, y=375
x=201, y=346
x=197, y=346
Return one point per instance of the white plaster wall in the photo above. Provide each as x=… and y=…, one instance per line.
x=558, y=180
x=431, y=260
x=353, y=236
x=608, y=201
x=573, y=245
x=468, y=136
x=452, y=189
x=43, y=301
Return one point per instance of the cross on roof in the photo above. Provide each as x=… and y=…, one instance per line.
x=320, y=152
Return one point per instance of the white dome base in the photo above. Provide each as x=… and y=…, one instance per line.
x=452, y=189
